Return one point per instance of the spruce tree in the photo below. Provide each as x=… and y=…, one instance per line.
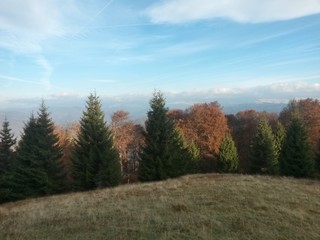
x=7, y=141
x=25, y=178
x=263, y=156
x=164, y=154
x=38, y=170
x=184, y=157
x=296, y=157
x=95, y=160
x=228, y=160
x=50, y=152
x=279, y=135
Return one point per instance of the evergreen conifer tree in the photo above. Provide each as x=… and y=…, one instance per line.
x=263, y=154
x=228, y=160
x=184, y=157
x=26, y=177
x=279, y=135
x=37, y=169
x=164, y=154
x=7, y=141
x=296, y=157
x=95, y=160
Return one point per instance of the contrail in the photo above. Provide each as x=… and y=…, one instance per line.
x=14, y=79
x=94, y=17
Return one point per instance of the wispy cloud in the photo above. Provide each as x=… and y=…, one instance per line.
x=14, y=79
x=47, y=71
x=243, y=11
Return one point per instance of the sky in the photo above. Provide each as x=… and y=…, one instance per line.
x=234, y=51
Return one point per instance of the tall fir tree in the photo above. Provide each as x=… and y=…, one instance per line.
x=228, y=160
x=95, y=159
x=37, y=169
x=164, y=154
x=296, y=156
x=184, y=157
x=50, y=152
x=279, y=136
x=7, y=141
x=22, y=182
x=263, y=155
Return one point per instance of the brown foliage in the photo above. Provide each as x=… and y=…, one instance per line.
x=127, y=140
x=309, y=110
x=66, y=137
x=243, y=126
x=205, y=125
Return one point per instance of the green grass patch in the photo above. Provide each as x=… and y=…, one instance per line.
x=209, y=206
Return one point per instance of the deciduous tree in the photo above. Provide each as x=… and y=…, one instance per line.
x=205, y=126
x=127, y=140
x=67, y=136
x=243, y=126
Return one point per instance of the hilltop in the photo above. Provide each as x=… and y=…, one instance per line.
x=210, y=206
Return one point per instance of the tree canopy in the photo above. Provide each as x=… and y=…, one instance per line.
x=95, y=159
x=296, y=157
x=163, y=154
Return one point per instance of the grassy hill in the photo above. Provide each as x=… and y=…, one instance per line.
x=193, y=207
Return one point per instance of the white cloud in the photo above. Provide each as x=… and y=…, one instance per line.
x=64, y=95
x=47, y=71
x=296, y=87
x=14, y=79
x=243, y=11
x=273, y=100
x=25, y=24
x=30, y=17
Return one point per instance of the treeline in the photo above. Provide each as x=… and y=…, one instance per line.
x=92, y=154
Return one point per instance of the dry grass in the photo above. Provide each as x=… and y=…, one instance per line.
x=192, y=207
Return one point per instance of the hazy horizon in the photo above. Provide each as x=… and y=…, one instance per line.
x=234, y=52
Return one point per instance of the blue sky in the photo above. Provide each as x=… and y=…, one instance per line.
x=234, y=51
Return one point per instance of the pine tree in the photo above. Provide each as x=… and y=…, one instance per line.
x=228, y=160
x=25, y=179
x=95, y=160
x=7, y=141
x=296, y=157
x=37, y=169
x=164, y=154
x=184, y=158
x=279, y=135
x=263, y=155
x=50, y=152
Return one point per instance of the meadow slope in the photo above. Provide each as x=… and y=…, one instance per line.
x=208, y=206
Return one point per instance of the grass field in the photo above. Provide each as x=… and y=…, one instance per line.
x=192, y=207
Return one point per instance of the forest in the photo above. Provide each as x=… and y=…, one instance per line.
x=91, y=154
